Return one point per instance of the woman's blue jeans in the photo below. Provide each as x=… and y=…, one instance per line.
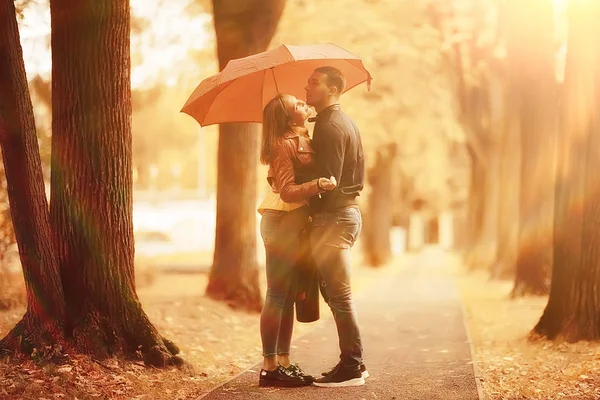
x=282, y=233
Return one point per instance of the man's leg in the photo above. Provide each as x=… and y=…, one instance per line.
x=333, y=236
x=336, y=276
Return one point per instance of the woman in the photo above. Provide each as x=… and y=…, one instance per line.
x=286, y=150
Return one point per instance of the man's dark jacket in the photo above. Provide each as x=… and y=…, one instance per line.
x=337, y=142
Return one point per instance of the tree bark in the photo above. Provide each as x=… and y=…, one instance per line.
x=40, y=330
x=573, y=309
x=532, y=48
x=377, y=244
x=242, y=29
x=7, y=233
x=91, y=204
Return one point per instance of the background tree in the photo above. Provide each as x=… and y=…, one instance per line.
x=40, y=329
x=242, y=29
x=530, y=48
x=91, y=204
x=573, y=309
x=470, y=44
x=410, y=106
x=379, y=219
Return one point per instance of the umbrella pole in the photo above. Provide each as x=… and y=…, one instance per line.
x=274, y=80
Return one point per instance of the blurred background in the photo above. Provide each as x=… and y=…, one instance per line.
x=434, y=125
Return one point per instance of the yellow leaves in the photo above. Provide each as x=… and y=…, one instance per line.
x=513, y=367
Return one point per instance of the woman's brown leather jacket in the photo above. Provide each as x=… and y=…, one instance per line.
x=294, y=156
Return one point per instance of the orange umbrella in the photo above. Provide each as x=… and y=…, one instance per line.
x=241, y=90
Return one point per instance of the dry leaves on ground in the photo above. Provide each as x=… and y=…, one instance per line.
x=216, y=341
x=513, y=366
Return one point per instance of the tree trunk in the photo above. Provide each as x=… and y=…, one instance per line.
x=91, y=204
x=474, y=210
x=7, y=233
x=242, y=29
x=533, y=55
x=40, y=328
x=510, y=158
x=508, y=210
x=491, y=201
x=482, y=211
x=474, y=111
x=573, y=309
x=377, y=245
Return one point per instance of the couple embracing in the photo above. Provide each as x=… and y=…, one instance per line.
x=312, y=206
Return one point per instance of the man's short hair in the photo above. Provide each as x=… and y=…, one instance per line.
x=334, y=77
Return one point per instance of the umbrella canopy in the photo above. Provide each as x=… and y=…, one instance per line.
x=241, y=90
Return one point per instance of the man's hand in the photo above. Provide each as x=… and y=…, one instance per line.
x=327, y=184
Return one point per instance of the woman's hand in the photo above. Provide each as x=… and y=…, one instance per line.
x=327, y=184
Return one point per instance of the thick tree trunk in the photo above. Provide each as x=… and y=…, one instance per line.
x=40, y=329
x=91, y=204
x=377, y=246
x=242, y=29
x=533, y=54
x=7, y=233
x=573, y=310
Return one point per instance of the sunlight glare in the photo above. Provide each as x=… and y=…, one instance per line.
x=159, y=52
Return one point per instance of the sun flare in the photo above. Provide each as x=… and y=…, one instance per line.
x=160, y=52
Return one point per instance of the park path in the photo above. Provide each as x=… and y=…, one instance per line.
x=415, y=342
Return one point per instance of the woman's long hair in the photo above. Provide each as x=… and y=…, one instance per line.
x=274, y=125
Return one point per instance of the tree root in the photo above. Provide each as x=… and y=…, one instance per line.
x=41, y=341
x=101, y=338
x=96, y=336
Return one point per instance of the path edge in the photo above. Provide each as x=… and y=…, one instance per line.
x=476, y=369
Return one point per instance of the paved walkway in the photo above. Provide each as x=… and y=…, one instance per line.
x=414, y=339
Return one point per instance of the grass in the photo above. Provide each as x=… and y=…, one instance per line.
x=511, y=365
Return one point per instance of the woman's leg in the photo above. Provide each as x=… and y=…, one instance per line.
x=293, y=224
x=278, y=285
x=270, y=318
x=286, y=327
x=281, y=235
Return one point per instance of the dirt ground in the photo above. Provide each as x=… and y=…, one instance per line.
x=175, y=304
x=514, y=367
x=216, y=341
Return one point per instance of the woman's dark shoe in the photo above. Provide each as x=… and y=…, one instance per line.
x=295, y=369
x=281, y=377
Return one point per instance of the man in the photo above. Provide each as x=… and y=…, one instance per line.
x=337, y=220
